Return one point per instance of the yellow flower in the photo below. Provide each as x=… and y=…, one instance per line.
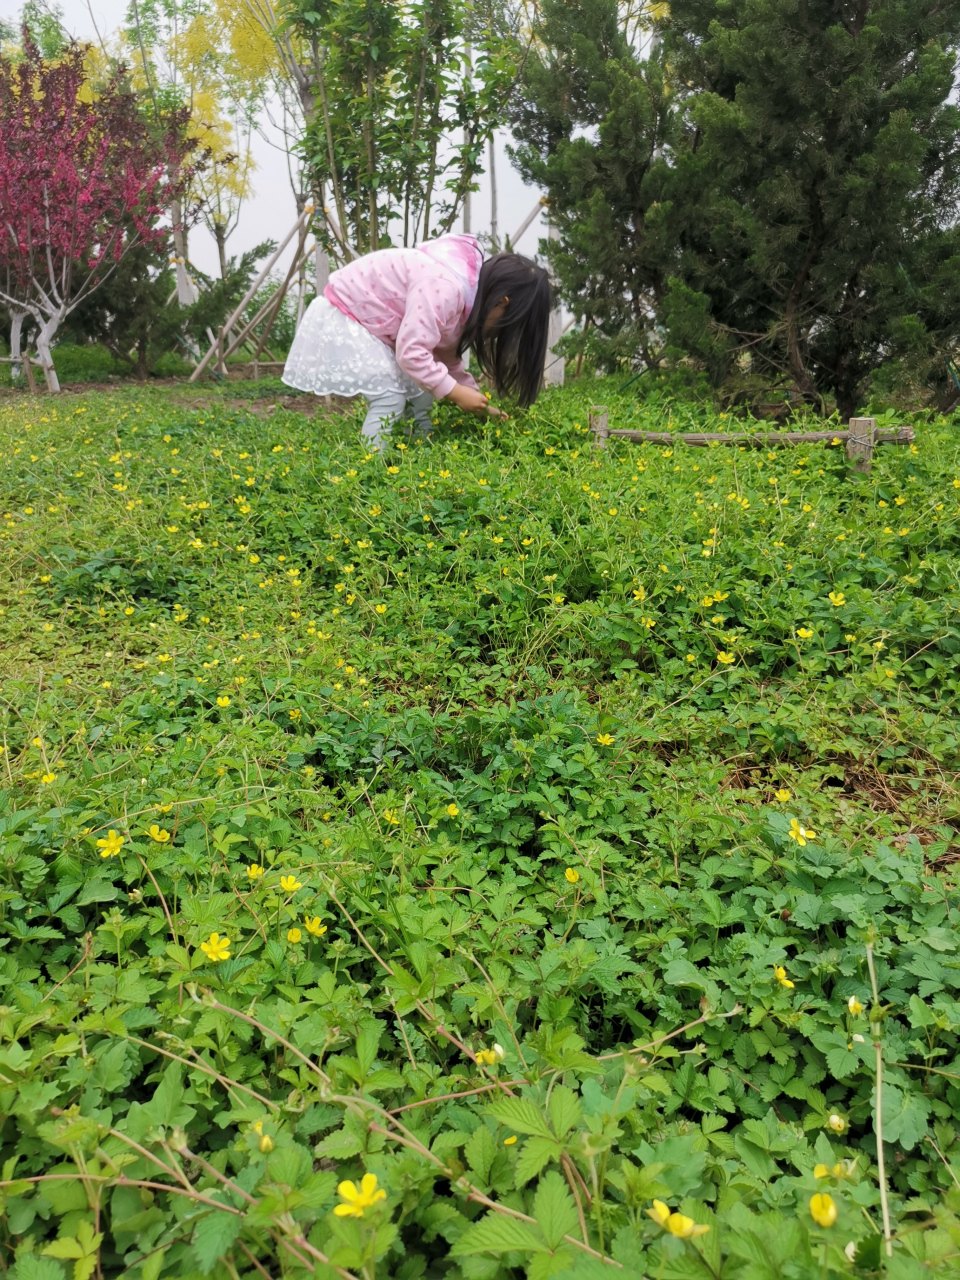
x=726, y=658
x=314, y=926
x=452, y=810
x=821, y=1171
x=837, y=598
x=254, y=871
x=804, y=633
x=781, y=976
x=357, y=1200
x=823, y=1209
x=163, y=657
x=290, y=884
x=836, y=1123
x=783, y=795
x=508, y=1142
x=572, y=875
x=606, y=739
x=294, y=935
x=854, y=1005
x=216, y=948
x=391, y=815
x=223, y=702
x=800, y=834
x=849, y=638
x=48, y=778
x=158, y=835
x=490, y=1057
x=381, y=608
x=678, y=1224
x=109, y=846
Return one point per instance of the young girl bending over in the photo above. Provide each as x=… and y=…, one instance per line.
x=392, y=327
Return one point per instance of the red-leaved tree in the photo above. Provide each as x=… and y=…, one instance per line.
x=83, y=177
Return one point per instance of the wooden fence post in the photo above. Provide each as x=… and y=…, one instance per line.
x=598, y=420
x=860, y=443
x=28, y=368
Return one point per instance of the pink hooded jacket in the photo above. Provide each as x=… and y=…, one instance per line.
x=416, y=301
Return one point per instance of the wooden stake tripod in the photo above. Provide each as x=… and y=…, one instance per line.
x=222, y=344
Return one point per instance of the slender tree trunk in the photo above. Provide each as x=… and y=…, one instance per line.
x=374, y=237
x=494, y=229
x=219, y=234
x=142, y=370
x=418, y=106
x=16, y=332
x=318, y=61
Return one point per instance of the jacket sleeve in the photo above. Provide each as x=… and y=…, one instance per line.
x=432, y=312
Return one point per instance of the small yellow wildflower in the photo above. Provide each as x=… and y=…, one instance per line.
x=800, y=834
x=216, y=948
x=157, y=834
x=837, y=598
x=572, y=875
x=854, y=1005
x=783, y=795
x=804, y=633
x=726, y=658
x=678, y=1224
x=509, y=1142
x=490, y=1057
x=314, y=926
x=223, y=702
x=823, y=1209
x=381, y=608
x=294, y=935
x=452, y=810
x=836, y=1123
x=290, y=884
x=781, y=976
x=358, y=1199
x=606, y=739
x=254, y=871
x=109, y=846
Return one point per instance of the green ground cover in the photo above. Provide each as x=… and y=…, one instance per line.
x=625, y=763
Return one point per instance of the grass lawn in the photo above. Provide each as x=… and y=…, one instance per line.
x=513, y=823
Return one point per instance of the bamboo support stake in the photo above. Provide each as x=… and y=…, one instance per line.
x=245, y=301
x=598, y=420
x=28, y=369
x=860, y=442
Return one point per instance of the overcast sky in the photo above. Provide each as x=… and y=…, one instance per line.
x=271, y=211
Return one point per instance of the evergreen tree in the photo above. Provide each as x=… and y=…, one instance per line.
x=803, y=204
x=594, y=124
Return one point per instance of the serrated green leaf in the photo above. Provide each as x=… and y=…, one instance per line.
x=213, y=1236
x=497, y=1233
x=554, y=1209
x=565, y=1110
x=521, y=1114
x=536, y=1153
x=480, y=1151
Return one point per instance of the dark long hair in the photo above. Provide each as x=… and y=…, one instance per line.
x=513, y=352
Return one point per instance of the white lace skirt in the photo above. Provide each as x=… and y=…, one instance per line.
x=334, y=355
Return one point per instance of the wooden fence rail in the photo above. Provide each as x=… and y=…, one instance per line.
x=861, y=436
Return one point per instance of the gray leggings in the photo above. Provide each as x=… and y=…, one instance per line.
x=387, y=408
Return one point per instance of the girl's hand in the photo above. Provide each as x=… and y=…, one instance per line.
x=472, y=401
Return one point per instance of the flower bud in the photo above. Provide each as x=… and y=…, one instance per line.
x=265, y=1144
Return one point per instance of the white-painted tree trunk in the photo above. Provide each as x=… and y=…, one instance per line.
x=47, y=331
x=16, y=331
